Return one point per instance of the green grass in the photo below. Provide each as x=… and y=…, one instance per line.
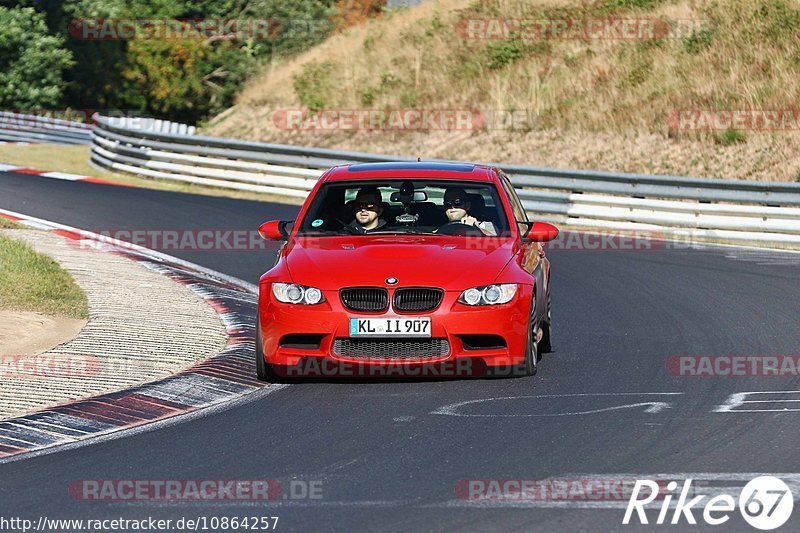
x=730, y=137
x=312, y=84
x=30, y=281
x=8, y=224
x=699, y=41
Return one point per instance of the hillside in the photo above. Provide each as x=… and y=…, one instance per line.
x=601, y=103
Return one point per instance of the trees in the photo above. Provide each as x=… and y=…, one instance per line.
x=179, y=79
x=31, y=61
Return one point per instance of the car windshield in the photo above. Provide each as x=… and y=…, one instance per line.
x=406, y=206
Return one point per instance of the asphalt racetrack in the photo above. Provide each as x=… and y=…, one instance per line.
x=395, y=455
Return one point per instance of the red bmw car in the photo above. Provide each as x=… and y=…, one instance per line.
x=406, y=265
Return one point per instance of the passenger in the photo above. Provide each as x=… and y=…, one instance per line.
x=457, y=206
x=369, y=208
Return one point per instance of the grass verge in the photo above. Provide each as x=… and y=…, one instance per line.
x=8, y=224
x=75, y=160
x=30, y=281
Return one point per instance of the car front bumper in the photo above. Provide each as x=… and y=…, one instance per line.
x=302, y=338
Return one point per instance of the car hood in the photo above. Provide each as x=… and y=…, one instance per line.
x=452, y=263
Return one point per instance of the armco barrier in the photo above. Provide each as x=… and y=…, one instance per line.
x=44, y=128
x=764, y=213
x=17, y=127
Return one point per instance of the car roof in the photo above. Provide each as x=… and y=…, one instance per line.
x=411, y=170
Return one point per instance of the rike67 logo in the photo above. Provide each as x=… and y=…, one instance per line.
x=765, y=503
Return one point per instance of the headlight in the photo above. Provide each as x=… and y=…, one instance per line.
x=290, y=293
x=489, y=295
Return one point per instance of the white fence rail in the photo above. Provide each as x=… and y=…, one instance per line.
x=46, y=128
x=692, y=208
x=17, y=127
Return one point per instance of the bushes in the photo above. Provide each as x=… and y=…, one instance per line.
x=31, y=61
x=698, y=40
x=184, y=80
x=352, y=12
x=503, y=53
x=312, y=85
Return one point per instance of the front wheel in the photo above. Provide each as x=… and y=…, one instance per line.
x=545, y=345
x=531, y=363
x=264, y=370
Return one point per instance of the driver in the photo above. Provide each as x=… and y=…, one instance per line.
x=369, y=208
x=457, y=205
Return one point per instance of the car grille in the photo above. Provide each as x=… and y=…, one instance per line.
x=417, y=299
x=391, y=349
x=365, y=298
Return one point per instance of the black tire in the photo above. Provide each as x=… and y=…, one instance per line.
x=546, y=344
x=264, y=370
x=531, y=366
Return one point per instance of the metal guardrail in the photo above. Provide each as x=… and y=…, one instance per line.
x=692, y=208
x=17, y=127
x=155, y=125
x=196, y=159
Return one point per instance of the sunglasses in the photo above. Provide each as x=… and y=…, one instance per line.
x=458, y=202
x=366, y=205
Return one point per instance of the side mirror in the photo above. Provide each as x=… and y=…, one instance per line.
x=274, y=230
x=541, y=232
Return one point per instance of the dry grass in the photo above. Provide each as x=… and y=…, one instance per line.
x=6, y=223
x=75, y=160
x=601, y=104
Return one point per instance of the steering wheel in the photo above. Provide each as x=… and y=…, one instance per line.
x=346, y=228
x=457, y=228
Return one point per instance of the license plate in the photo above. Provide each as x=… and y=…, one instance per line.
x=390, y=327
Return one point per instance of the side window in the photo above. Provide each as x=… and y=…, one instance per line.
x=516, y=205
